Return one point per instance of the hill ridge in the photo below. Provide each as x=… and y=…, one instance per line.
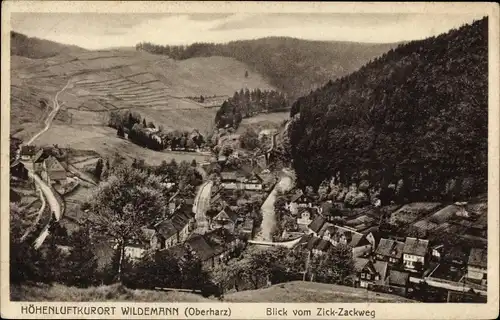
x=417, y=113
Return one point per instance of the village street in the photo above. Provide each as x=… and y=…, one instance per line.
x=268, y=214
x=54, y=205
x=201, y=206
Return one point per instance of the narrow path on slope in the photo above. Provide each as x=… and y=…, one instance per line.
x=51, y=116
x=50, y=197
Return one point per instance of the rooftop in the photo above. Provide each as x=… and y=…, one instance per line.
x=478, y=258
x=390, y=248
x=398, y=278
x=317, y=223
x=416, y=246
x=53, y=164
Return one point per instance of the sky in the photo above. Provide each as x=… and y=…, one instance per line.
x=106, y=30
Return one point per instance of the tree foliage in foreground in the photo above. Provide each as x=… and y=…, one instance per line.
x=128, y=200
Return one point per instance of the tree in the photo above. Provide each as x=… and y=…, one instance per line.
x=151, y=125
x=81, y=264
x=193, y=163
x=202, y=99
x=144, y=123
x=98, y=168
x=227, y=150
x=25, y=261
x=190, y=144
x=120, y=132
x=249, y=139
x=142, y=198
x=192, y=274
x=157, y=269
x=246, y=74
x=334, y=266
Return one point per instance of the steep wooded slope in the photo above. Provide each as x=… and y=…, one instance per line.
x=35, y=48
x=417, y=113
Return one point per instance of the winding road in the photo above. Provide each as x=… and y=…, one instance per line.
x=51, y=116
x=50, y=197
x=201, y=206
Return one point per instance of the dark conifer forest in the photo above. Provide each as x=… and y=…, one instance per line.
x=418, y=113
x=246, y=103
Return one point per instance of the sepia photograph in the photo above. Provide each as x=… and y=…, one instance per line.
x=223, y=157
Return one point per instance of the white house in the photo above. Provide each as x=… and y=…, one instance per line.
x=477, y=267
x=415, y=253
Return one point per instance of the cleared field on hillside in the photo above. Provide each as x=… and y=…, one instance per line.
x=263, y=121
x=155, y=86
x=105, y=142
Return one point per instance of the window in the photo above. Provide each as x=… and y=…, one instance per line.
x=368, y=276
x=362, y=275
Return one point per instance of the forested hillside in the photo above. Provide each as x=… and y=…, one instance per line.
x=418, y=113
x=292, y=65
x=35, y=48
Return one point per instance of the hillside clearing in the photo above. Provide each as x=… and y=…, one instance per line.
x=300, y=292
x=105, y=142
x=155, y=86
x=263, y=121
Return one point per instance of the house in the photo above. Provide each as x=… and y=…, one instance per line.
x=437, y=252
x=134, y=251
x=299, y=200
x=315, y=226
x=321, y=247
x=336, y=235
x=253, y=181
x=223, y=242
x=246, y=180
x=477, y=266
x=305, y=216
x=456, y=258
x=371, y=272
x=248, y=228
x=308, y=242
x=53, y=171
x=326, y=208
x=390, y=250
x=18, y=170
x=212, y=248
x=226, y=218
x=229, y=180
x=415, y=253
x=199, y=246
x=174, y=230
x=398, y=282
x=260, y=161
x=38, y=161
x=27, y=152
x=341, y=235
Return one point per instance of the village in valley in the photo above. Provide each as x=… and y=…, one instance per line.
x=251, y=170
x=248, y=201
